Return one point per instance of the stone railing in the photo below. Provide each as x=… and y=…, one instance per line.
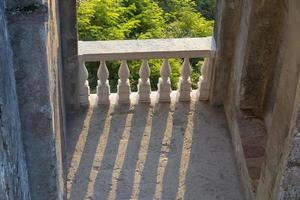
x=143, y=50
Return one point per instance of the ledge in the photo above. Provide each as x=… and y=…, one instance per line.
x=146, y=49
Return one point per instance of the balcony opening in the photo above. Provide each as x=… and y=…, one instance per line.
x=146, y=135
x=102, y=20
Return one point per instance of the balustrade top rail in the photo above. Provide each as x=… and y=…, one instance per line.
x=146, y=49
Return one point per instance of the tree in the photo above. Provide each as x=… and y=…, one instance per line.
x=148, y=18
x=207, y=8
x=119, y=19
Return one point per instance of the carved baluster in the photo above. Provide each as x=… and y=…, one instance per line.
x=204, y=83
x=84, y=89
x=144, y=88
x=123, y=84
x=103, y=89
x=164, y=84
x=185, y=86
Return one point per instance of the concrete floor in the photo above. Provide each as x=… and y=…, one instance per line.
x=157, y=151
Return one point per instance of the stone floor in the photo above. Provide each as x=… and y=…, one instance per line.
x=157, y=151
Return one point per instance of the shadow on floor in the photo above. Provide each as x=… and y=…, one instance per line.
x=169, y=151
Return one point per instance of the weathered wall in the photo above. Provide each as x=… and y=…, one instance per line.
x=252, y=83
x=34, y=35
x=263, y=42
x=227, y=24
x=231, y=100
x=13, y=171
x=57, y=93
x=290, y=183
x=282, y=117
x=69, y=47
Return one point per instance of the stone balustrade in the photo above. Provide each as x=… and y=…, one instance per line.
x=143, y=50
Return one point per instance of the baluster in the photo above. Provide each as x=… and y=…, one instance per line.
x=184, y=87
x=204, y=83
x=144, y=87
x=84, y=89
x=164, y=84
x=103, y=89
x=123, y=96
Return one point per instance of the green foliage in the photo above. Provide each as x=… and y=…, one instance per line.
x=207, y=8
x=184, y=20
x=119, y=19
x=141, y=19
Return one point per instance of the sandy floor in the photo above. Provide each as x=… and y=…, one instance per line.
x=158, y=151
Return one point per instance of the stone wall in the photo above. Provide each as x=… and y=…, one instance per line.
x=290, y=183
x=35, y=39
x=227, y=22
x=69, y=47
x=260, y=101
x=282, y=117
x=57, y=93
x=13, y=171
x=256, y=77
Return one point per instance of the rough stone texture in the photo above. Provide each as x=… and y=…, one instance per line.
x=57, y=94
x=68, y=24
x=290, y=185
x=263, y=42
x=13, y=171
x=151, y=151
x=33, y=29
x=226, y=26
x=281, y=149
x=235, y=118
x=257, y=37
x=261, y=104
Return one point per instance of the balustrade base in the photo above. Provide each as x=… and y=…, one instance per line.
x=144, y=91
x=103, y=92
x=103, y=99
x=123, y=96
x=184, y=96
x=203, y=91
x=184, y=90
x=84, y=100
x=164, y=91
x=84, y=94
x=122, y=100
